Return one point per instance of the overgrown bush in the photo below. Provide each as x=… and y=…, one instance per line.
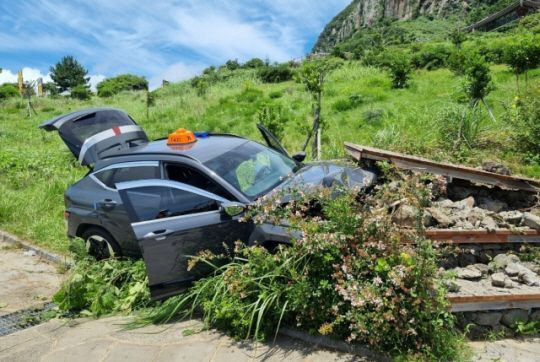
x=103, y=287
x=459, y=127
x=275, y=73
x=432, y=56
x=350, y=276
x=399, y=66
x=254, y=63
x=112, y=86
x=345, y=104
x=271, y=118
x=81, y=92
x=525, y=119
x=523, y=55
x=477, y=78
x=8, y=90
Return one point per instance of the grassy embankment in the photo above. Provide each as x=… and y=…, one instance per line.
x=36, y=168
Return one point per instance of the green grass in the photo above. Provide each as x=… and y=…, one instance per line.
x=36, y=167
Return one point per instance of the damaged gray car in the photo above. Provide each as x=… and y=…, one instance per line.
x=168, y=199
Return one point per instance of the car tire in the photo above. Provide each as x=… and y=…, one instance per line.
x=100, y=244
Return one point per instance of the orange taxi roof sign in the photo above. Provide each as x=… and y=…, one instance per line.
x=181, y=137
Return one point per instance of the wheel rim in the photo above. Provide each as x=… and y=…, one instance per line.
x=99, y=247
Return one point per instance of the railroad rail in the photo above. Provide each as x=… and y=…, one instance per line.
x=359, y=152
x=482, y=236
x=476, y=303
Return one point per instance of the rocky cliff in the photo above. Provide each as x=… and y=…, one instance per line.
x=365, y=13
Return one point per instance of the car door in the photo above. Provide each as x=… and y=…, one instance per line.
x=272, y=141
x=90, y=134
x=172, y=222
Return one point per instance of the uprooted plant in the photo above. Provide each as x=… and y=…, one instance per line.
x=350, y=274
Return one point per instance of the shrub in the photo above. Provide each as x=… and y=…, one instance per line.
x=523, y=55
x=103, y=287
x=345, y=104
x=81, y=92
x=200, y=84
x=8, y=90
x=432, y=57
x=457, y=61
x=275, y=73
x=459, y=127
x=349, y=276
x=232, y=64
x=477, y=78
x=271, y=118
x=373, y=116
x=112, y=86
x=400, y=69
x=525, y=118
x=254, y=63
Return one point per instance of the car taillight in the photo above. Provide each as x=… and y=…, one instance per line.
x=66, y=215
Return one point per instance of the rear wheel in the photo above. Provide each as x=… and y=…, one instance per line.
x=100, y=244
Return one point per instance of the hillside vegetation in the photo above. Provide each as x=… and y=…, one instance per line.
x=359, y=105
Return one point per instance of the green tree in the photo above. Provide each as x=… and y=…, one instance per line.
x=68, y=73
x=254, y=63
x=522, y=56
x=478, y=80
x=8, y=90
x=457, y=37
x=50, y=88
x=81, y=92
x=400, y=70
x=123, y=82
x=313, y=74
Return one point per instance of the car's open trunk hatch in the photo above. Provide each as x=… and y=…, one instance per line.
x=90, y=133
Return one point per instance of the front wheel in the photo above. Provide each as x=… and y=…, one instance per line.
x=100, y=244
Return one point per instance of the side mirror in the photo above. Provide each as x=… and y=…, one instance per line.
x=233, y=208
x=299, y=156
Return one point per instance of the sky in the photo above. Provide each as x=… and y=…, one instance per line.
x=160, y=39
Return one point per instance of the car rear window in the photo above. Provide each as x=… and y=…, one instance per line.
x=113, y=176
x=95, y=123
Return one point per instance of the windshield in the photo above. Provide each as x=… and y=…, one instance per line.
x=252, y=168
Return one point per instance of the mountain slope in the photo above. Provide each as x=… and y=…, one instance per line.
x=362, y=14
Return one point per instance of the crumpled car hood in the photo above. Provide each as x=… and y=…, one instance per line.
x=329, y=174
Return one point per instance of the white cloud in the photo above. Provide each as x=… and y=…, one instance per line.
x=169, y=39
x=94, y=80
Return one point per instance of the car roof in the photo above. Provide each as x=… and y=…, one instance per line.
x=202, y=150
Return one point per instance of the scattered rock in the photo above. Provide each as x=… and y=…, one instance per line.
x=488, y=223
x=513, y=316
x=531, y=220
x=512, y=217
x=500, y=261
x=440, y=217
x=496, y=167
x=452, y=286
x=514, y=269
x=405, y=215
x=530, y=279
x=492, y=205
x=531, y=266
x=469, y=273
x=427, y=219
x=483, y=268
x=502, y=281
x=488, y=318
x=467, y=203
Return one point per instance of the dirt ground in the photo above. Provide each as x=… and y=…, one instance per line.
x=27, y=280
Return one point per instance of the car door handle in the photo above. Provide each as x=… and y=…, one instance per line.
x=107, y=204
x=158, y=234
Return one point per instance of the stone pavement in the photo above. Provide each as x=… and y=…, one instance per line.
x=105, y=340
x=26, y=279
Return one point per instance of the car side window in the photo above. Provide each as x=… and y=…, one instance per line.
x=113, y=176
x=190, y=176
x=157, y=202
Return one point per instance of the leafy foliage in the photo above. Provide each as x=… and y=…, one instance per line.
x=8, y=90
x=525, y=118
x=271, y=118
x=477, y=78
x=459, y=127
x=81, y=92
x=123, y=82
x=400, y=69
x=349, y=276
x=68, y=73
x=275, y=73
x=97, y=288
x=254, y=63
